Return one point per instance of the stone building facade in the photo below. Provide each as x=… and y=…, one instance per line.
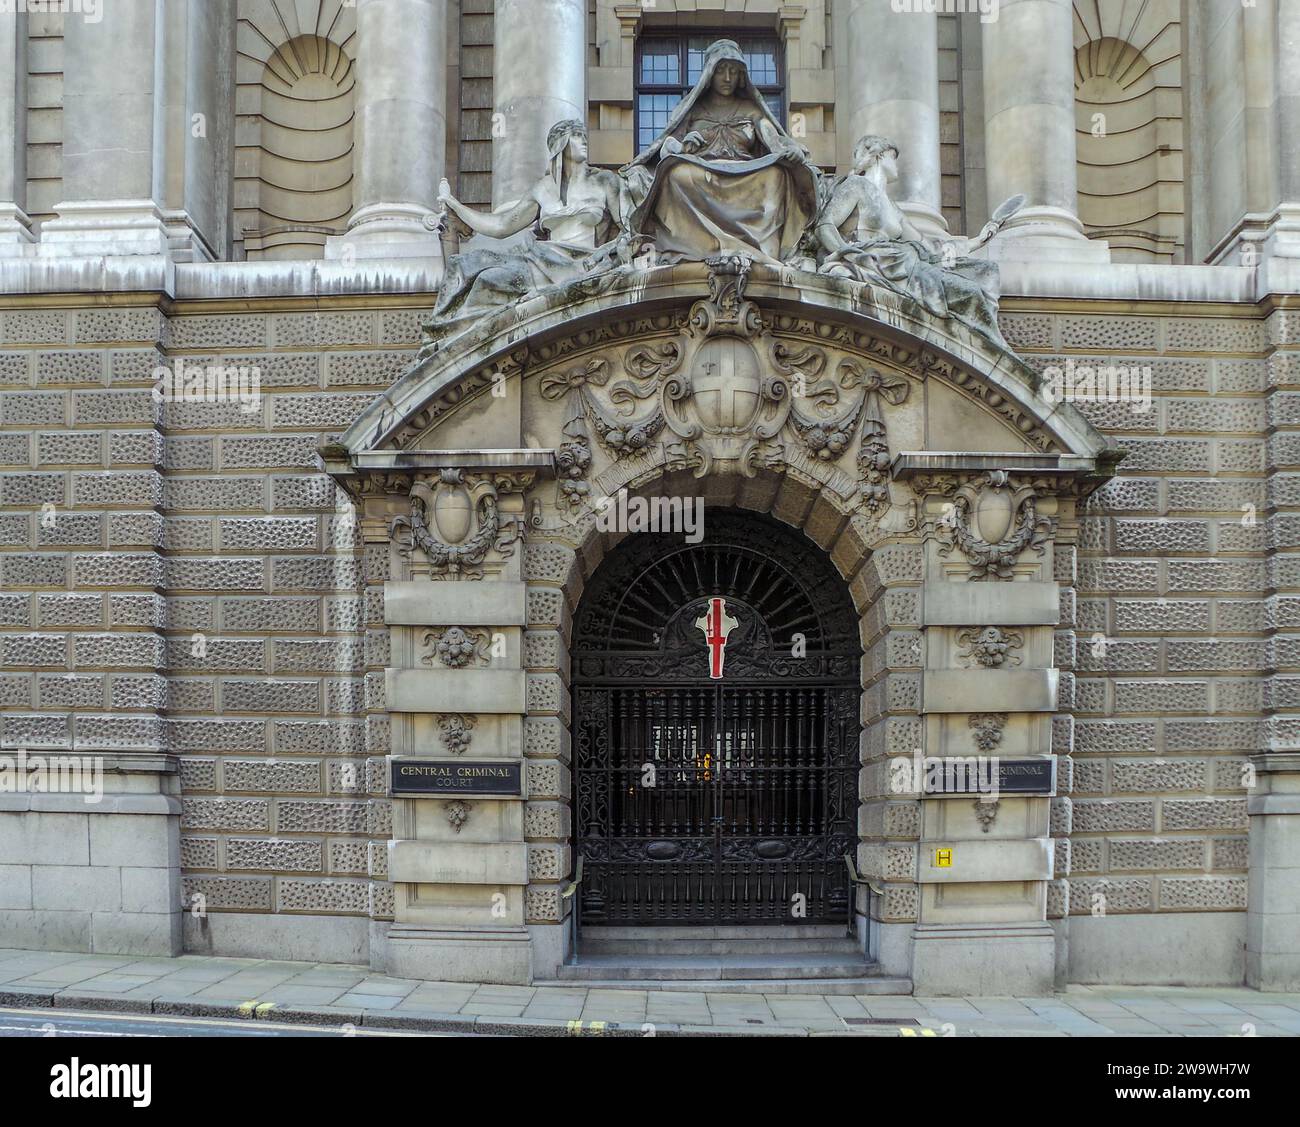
x=249, y=611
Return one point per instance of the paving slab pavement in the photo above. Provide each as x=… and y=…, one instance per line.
x=325, y=992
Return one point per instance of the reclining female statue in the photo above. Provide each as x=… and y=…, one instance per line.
x=577, y=207
x=864, y=235
x=723, y=177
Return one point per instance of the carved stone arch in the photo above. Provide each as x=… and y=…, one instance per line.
x=566, y=324
x=600, y=383
x=882, y=577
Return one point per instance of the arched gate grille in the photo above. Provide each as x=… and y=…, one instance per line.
x=716, y=800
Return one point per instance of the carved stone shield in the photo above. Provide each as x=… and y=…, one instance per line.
x=728, y=384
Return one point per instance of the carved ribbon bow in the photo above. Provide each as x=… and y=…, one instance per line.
x=572, y=384
x=873, y=455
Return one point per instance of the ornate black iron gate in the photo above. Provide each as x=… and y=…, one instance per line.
x=716, y=800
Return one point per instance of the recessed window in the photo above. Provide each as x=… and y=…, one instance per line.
x=669, y=65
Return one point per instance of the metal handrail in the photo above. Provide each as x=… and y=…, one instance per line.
x=570, y=892
x=855, y=879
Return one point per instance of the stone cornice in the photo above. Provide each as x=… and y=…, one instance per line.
x=395, y=470
x=1062, y=474
x=911, y=463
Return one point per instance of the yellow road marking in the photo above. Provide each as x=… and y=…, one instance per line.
x=169, y=1019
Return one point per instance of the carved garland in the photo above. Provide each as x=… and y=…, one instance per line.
x=969, y=519
x=724, y=391
x=457, y=812
x=986, y=812
x=456, y=730
x=987, y=727
x=465, y=511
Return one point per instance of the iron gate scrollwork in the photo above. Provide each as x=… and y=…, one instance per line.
x=712, y=801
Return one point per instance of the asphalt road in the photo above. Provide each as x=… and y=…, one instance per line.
x=72, y=1023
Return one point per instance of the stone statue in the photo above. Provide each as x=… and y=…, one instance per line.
x=576, y=208
x=723, y=177
x=864, y=235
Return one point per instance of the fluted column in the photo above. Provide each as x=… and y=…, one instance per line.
x=111, y=174
x=1271, y=42
x=1029, y=125
x=401, y=123
x=539, y=76
x=15, y=227
x=893, y=91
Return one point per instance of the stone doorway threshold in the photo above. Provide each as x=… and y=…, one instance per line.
x=771, y=959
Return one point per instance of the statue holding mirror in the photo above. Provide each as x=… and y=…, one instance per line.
x=864, y=235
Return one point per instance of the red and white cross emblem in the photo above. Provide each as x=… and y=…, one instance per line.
x=716, y=624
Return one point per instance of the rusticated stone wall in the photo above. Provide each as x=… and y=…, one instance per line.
x=1184, y=627
x=182, y=577
x=179, y=577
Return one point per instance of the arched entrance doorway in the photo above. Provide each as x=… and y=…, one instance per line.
x=716, y=781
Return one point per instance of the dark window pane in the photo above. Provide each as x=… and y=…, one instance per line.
x=653, y=112
x=761, y=59
x=774, y=104
x=660, y=64
x=695, y=48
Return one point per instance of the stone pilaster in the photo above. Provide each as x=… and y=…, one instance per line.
x=454, y=692
x=549, y=567
x=1272, y=779
x=15, y=227
x=148, y=133
x=887, y=590
x=1273, y=915
x=539, y=79
x=401, y=127
x=196, y=128
x=1029, y=131
x=112, y=91
x=893, y=92
x=1281, y=221
x=990, y=691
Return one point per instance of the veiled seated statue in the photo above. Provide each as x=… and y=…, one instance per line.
x=723, y=177
x=864, y=235
x=577, y=207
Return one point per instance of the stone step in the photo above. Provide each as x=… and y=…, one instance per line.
x=749, y=945
x=719, y=931
x=720, y=967
x=881, y=985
